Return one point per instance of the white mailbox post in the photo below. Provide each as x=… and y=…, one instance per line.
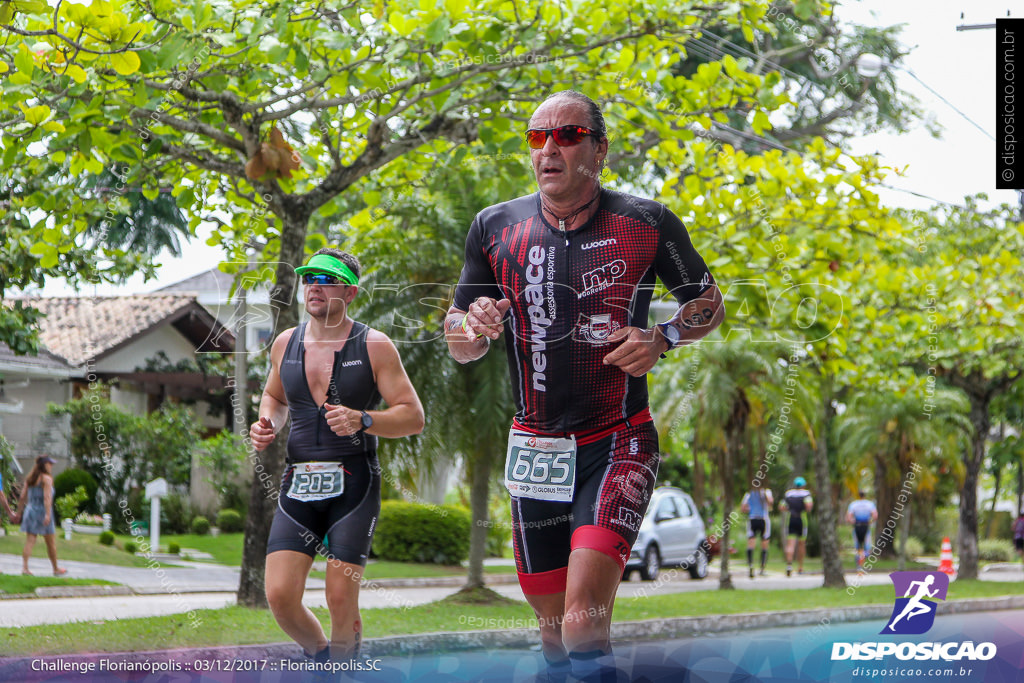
x=155, y=490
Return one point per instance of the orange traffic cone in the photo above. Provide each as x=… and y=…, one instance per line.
x=946, y=557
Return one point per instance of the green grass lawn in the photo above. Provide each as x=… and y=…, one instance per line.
x=777, y=563
x=240, y=626
x=81, y=547
x=12, y=584
x=225, y=548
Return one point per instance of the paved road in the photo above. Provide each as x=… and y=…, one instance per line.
x=190, y=586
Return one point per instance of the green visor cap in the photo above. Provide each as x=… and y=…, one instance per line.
x=325, y=263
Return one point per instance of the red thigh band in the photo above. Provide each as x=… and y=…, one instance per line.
x=544, y=583
x=604, y=541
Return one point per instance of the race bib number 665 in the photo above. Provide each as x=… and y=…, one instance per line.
x=539, y=467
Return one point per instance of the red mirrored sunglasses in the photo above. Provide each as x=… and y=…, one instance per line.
x=565, y=136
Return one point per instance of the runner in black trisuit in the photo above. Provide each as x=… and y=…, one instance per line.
x=328, y=375
x=568, y=274
x=798, y=502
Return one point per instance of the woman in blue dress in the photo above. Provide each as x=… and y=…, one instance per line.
x=36, y=504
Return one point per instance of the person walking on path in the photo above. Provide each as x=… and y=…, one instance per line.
x=328, y=376
x=757, y=503
x=797, y=502
x=36, y=503
x=861, y=513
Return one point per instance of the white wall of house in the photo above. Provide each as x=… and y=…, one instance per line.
x=259, y=319
x=164, y=338
x=31, y=426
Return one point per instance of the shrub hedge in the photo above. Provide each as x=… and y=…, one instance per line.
x=229, y=521
x=410, y=532
x=200, y=526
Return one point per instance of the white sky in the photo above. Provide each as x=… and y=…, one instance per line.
x=959, y=65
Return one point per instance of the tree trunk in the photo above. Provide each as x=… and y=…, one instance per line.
x=974, y=456
x=698, y=480
x=726, y=476
x=735, y=433
x=824, y=502
x=885, y=497
x=1020, y=486
x=269, y=465
x=995, y=498
x=480, y=467
x=904, y=533
x=801, y=454
x=267, y=469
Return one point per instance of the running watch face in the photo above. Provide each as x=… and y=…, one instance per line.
x=367, y=420
x=671, y=334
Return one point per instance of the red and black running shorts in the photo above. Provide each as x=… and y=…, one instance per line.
x=615, y=476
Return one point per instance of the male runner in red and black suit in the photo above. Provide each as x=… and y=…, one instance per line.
x=569, y=272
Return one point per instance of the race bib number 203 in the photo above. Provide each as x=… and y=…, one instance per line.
x=316, y=481
x=540, y=467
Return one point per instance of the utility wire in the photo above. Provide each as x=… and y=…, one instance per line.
x=951, y=105
x=706, y=49
x=747, y=53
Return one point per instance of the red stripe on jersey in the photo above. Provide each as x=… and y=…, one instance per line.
x=583, y=438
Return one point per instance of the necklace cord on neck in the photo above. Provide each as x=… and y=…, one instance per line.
x=568, y=217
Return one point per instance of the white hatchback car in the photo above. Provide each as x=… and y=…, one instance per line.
x=671, y=534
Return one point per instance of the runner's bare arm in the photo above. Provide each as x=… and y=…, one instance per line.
x=403, y=415
x=274, y=403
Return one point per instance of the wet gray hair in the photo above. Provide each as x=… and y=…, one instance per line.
x=594, y=115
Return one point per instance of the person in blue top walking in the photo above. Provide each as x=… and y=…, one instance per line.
x=757, y=503
x=36, y=503
x=861, y=513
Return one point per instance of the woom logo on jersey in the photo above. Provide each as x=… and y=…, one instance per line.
x=913, y=613
x=599, y=243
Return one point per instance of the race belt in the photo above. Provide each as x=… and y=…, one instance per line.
x=316, y=481
x=540, y=467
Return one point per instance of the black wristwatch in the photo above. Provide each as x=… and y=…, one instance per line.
x=367, y=420
x=671, y=334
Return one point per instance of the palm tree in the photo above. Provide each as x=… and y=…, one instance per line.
x=145, y=226
x=416, y=248
x=734, y=380
x=887, y=430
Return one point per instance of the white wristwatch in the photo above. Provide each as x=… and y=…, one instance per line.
x=671, y=334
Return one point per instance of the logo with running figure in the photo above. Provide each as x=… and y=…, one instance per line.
x=916, y=596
